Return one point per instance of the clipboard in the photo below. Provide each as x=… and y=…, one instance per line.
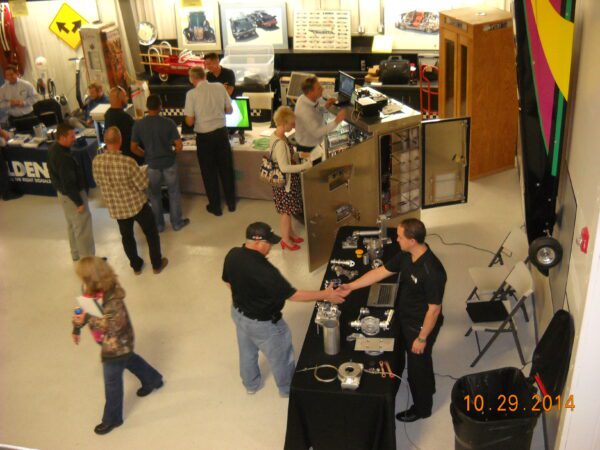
x=90, y=305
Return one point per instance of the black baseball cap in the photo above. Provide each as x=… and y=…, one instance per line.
x=260, y=231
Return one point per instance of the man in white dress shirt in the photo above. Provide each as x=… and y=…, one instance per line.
x=17, y=96
x=310, y=121
x=205, y=109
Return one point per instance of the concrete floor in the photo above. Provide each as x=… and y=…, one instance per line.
x=51, y=392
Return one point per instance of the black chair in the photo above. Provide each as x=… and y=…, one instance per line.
x=48, y=111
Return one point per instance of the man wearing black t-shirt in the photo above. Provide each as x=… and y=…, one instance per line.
x=259, y=293
x=218, y=74
x=117, y=117
x=419, y=308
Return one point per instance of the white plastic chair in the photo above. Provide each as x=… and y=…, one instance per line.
x=520, y=285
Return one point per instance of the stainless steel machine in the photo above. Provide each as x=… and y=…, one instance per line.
x=393, y=164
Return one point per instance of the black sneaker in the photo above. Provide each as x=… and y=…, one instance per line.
x=105, y=428
x=163, y=264
x=216, y=212
x=184, y=223
x=142, y=392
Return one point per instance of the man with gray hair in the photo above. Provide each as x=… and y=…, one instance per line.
x=205, y=109
x=123, y=185
x=310, y=122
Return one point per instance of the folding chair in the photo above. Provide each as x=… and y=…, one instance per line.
x=497, y=316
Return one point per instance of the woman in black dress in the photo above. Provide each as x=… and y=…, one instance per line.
x=288, y=198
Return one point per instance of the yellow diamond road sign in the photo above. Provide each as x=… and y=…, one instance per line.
x=66, y=25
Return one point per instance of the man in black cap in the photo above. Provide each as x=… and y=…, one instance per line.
x=259, y=293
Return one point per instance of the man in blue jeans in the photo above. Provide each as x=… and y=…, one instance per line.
x=259, y=293
x=158, y=135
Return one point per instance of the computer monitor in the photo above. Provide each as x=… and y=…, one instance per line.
x=239, y=119
x=346, y=86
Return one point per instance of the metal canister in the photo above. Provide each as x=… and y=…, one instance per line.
x=366, y=259
x=331, y=336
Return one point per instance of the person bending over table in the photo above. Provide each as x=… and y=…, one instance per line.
x=288, y=198
x=418, y=307
x=113, y=331
x=259, y=292
x=311, y=128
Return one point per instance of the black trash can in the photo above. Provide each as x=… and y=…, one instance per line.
x=499, y=409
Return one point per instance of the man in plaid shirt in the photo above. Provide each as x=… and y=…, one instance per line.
x=123, y=185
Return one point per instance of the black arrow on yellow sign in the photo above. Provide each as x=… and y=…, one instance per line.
x=61, y=27
x=76, y=26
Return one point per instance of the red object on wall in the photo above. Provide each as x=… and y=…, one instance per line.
x=585, y=239
x=13, y=53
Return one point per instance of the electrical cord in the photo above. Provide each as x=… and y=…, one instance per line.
x=465, y=245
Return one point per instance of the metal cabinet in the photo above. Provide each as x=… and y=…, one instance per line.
x=405, y=165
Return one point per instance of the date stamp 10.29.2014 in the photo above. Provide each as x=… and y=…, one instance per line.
x=512, y=403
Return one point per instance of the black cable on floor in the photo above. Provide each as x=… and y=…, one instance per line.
x=445, y=376
x=464, y=244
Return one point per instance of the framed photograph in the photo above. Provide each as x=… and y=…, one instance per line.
x=322, y=30
x=198, y=28
x=414, y=26
x=244, y=24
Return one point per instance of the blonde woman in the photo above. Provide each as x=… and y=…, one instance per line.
x=114, y=332
x=288, y=198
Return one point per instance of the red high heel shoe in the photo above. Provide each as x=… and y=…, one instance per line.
x=297, y=240
x=291, y=248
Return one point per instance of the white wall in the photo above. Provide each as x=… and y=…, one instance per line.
x=580, y=428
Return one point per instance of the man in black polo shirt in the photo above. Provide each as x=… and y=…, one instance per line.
x=259, y=293
x=218, y=74
x=419, y=309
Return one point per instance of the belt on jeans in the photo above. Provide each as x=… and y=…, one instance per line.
x=275, y=318
x=211, y=132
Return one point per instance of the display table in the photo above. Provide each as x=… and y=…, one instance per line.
x=322, y=415
x=246, y=165
x=28, y=168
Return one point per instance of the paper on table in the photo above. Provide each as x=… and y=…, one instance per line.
x=268, y=132
x=90, y=306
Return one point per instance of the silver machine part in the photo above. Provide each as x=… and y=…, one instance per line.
x=340, y=271
x=349, y=374
x=342, y=262
x=328, y=317
x=376, y=263
x=369, y=325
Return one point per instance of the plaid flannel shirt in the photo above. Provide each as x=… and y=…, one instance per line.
x=122, y=183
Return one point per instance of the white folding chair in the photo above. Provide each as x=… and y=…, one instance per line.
x=519, y=285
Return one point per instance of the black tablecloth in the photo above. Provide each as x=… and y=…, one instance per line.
x=28, y=169
x=323, y=416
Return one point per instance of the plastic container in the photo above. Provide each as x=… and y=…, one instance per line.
x=251, y=64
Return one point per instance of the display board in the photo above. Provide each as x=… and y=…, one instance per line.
x=322, y=30
x=244, y=24
x=198, y=26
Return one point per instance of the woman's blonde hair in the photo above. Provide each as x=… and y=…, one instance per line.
x=96, y=274
x=283, y=115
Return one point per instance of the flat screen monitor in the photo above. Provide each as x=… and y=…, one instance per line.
x=239, y=119
x=346, y=87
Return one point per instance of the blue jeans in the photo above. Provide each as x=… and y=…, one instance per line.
x=113, y=383
x=171, y=179
x=274, y=340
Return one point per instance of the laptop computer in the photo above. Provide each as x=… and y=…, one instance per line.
x=383, y=295
x=346, y=89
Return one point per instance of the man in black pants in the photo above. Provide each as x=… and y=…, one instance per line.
x=205, y=109
x=123, y=185
x=419, y=309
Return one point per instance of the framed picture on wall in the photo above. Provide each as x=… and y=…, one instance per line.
x=415, y=25
x=316, y=29
x=244, y=24
x=198, y=27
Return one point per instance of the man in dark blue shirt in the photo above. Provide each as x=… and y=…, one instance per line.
x=160, y=141
x=419, y=309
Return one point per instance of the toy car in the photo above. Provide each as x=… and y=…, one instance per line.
x=243, y=28
x=427, y=22
x=199, y=29
x=263, y=20
x=165, y=60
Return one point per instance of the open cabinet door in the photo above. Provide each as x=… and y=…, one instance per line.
x=445, y=161
x=340, y=191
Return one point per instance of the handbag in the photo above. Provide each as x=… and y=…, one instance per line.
x=270, y=171
x=394, y=70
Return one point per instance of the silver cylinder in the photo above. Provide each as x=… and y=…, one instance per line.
x=331, y=336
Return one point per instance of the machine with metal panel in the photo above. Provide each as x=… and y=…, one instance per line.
x=394, y=164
